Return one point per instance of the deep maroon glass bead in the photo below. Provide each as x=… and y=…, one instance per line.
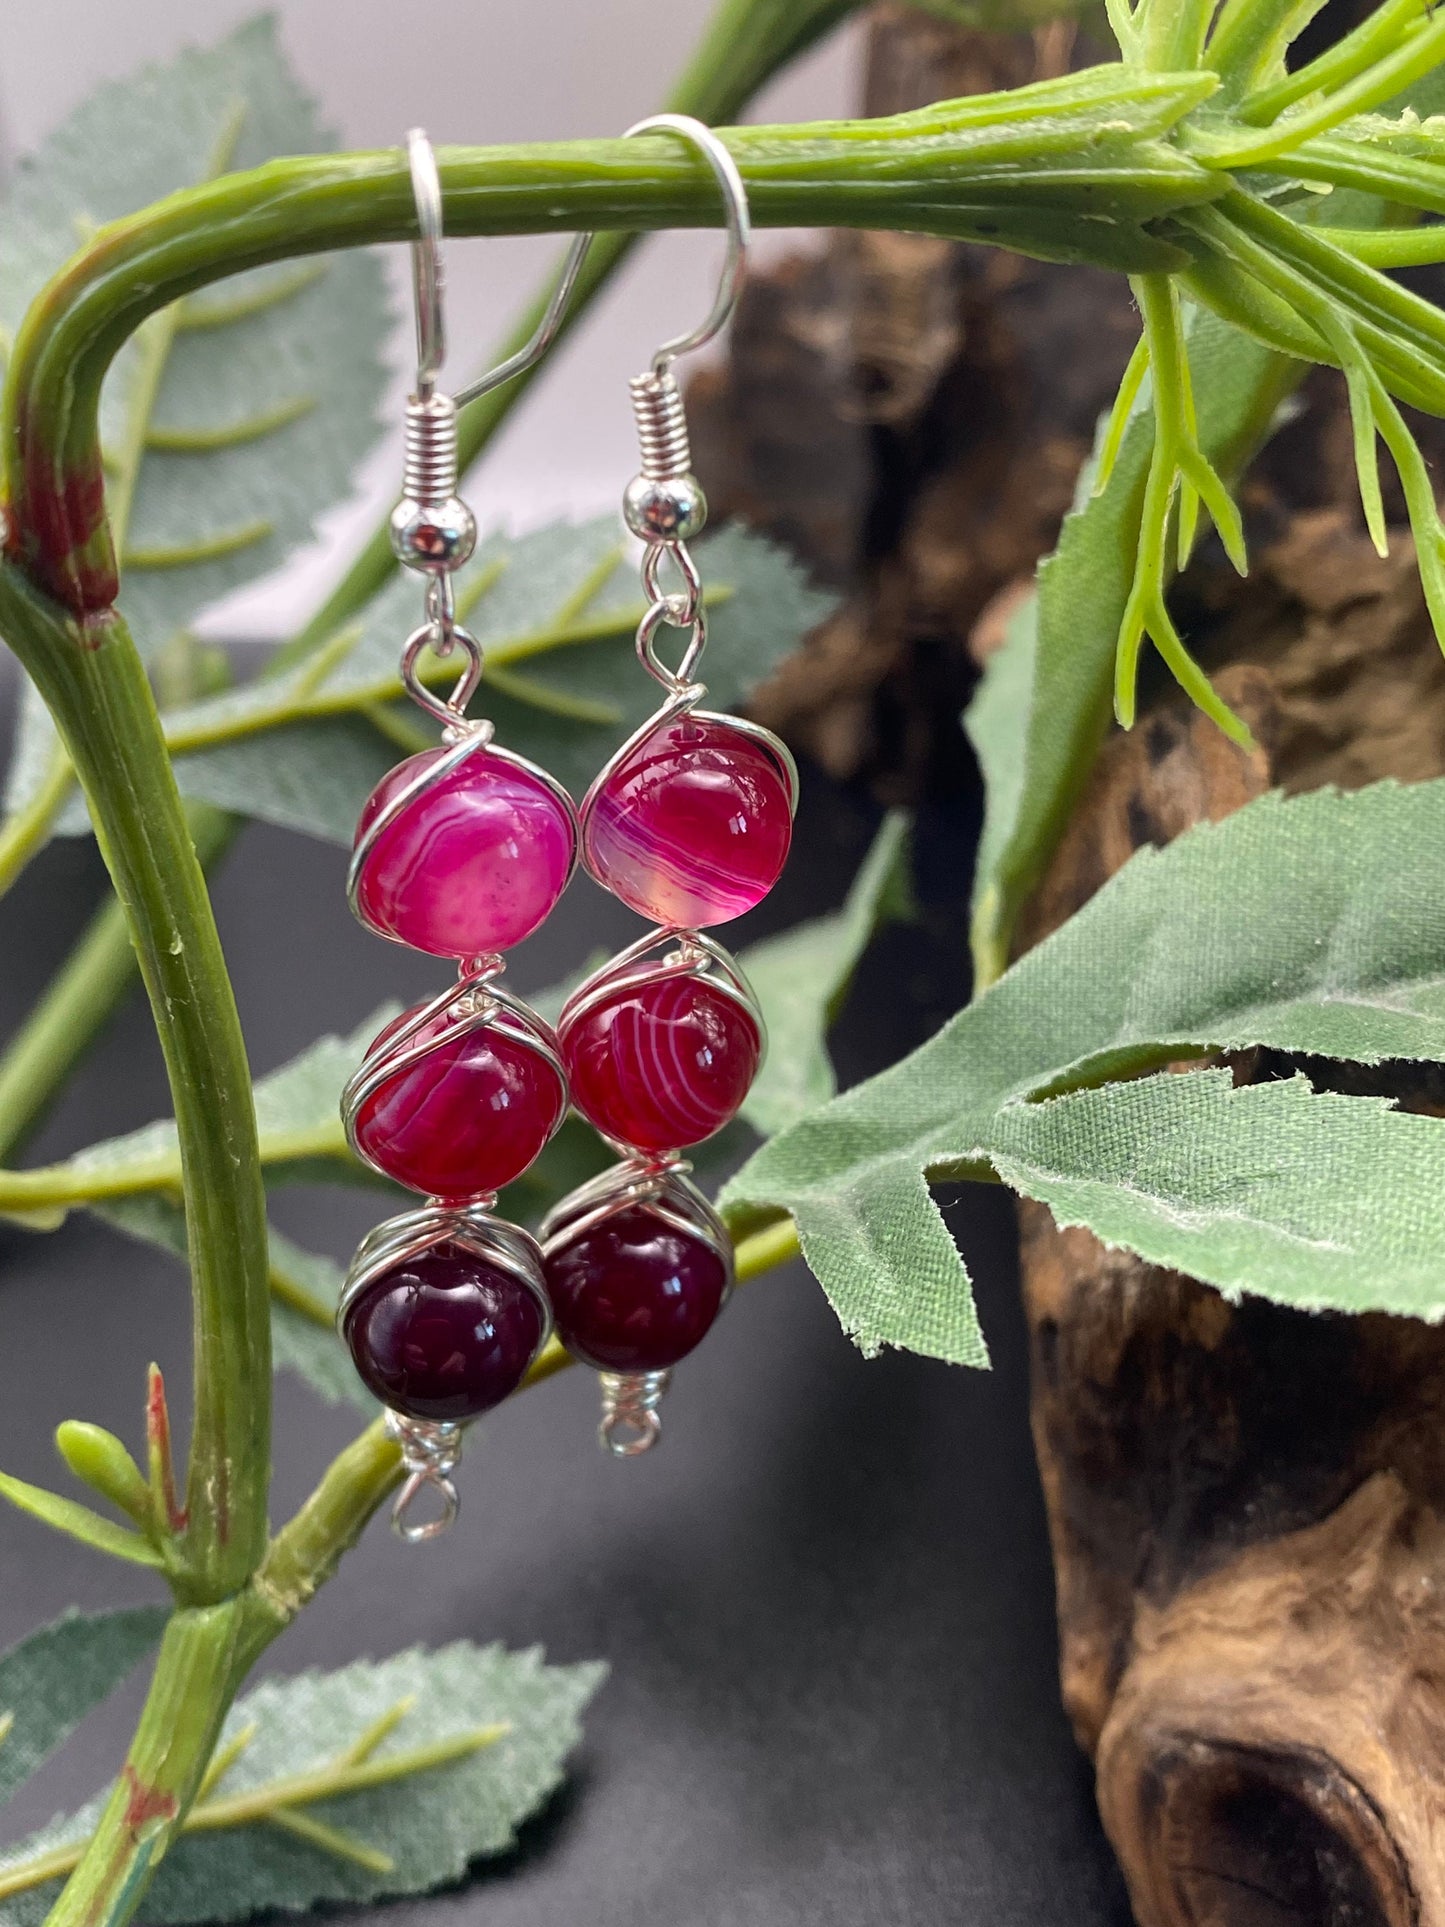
x=470, y=865
x=633, y=1294
x=693, y=826
x=469, y=1116
x=446, y=1335
x=661, y=1065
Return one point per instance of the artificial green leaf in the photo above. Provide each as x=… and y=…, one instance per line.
x=50, y=1681
x=801, y=976
x=1335, y=1201
x=304, y=1289
x=555, y=613
x=305, y=1286
x=232, y=421
x=1315, y=925
x=447, y=1786
x=1043, y=705
x=79, y=1522
x=311, y=334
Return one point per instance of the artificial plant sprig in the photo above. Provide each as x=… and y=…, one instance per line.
x=1105, y=166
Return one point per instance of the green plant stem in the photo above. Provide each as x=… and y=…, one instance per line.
x=96, y=689
x=28, y=829
x=191, y=1691
x=1379, y=82
x=1018, y=169
x=1350, y=55
x=81, y=998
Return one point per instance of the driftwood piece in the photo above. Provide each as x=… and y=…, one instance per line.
x=1247, y=1504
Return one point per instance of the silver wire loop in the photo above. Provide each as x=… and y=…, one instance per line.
x=677, y=682
x=685, y=608
x=429, y=1454
x=450, y=711
x=631, y=1423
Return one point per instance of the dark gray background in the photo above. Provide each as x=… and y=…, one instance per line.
x=826, y=1601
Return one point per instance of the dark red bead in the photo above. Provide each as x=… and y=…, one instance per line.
x=661, y=1065
x=468, y=1117
x=633, y=1294
x=446, y=1335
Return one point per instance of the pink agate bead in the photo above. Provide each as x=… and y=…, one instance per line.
x=659, y=1066
x=469, y=1116
x=693, y=826
x=470, y=865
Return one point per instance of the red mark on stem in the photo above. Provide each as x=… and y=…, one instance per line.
x=60, y=523
x=158, y=1435
x=145, y=1806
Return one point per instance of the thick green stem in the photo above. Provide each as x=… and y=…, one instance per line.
x=194, y=1682
x=95, y=686
x=1020, y=169
x=81, y=998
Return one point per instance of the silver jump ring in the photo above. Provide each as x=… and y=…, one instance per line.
x=441, y=613
x=688, y=604
x=417, y=1532
x=450, y=711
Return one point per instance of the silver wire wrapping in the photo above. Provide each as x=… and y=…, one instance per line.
x=431, y=1448
x=684, y=953
x=474, y=1002
x=631, y=1423
x=430, y=1453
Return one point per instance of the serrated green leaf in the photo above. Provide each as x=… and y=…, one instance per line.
x=1334, y=1200
x=801, y=976
x=50, y=1681
x=523, y=598
x=304, y=1289
x=429, y=1825
x=280, y=371
x=1314, y=925
x=300, y=1342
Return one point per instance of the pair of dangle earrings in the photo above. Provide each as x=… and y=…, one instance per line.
x=462, y=851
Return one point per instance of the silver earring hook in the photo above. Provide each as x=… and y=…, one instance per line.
x=426, y=263
x=428, y=283
x=739, y=226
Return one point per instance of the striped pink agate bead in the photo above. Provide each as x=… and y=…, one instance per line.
x=662, y=1065
x=692, y=827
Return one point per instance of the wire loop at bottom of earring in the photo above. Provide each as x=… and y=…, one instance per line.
x=429, y=1453
x=631, y=1423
